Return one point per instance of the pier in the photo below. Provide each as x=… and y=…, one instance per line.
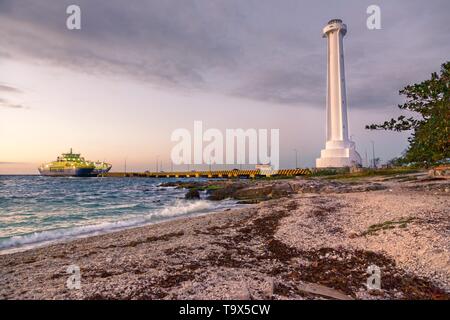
x=214, y=174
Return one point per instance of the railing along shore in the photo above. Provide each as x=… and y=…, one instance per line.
x=213, y=174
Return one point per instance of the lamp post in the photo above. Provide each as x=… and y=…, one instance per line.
x=296, y=158
x=373, y=153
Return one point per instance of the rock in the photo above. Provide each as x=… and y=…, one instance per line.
x=192, y=194
x=375, y=292
x=375, y=187
x=250, y=201
x=353, y=235
x=185, y=184
x=226, y=192
x=253, y=193
x=281, y=190
x=169, y=184
x=268, y=288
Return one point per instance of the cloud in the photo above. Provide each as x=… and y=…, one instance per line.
x=262, y=50
x=4, y=103
x=7, y=104
x=12, y=106
x=8, y=163
x=6, y=88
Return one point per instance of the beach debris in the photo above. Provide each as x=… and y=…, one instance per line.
x=440, y=171
x=324, y=291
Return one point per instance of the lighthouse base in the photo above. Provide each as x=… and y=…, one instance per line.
x=338, y=154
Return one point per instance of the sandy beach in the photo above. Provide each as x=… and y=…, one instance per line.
x=301, y=239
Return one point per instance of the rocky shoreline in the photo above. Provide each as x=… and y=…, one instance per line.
x=299, y=239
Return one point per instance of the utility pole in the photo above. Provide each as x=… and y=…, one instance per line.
x=366, y=160
x=296, y=158
x=125, y=165
x=373, y=153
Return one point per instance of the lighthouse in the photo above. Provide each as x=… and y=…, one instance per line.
x=339, y=150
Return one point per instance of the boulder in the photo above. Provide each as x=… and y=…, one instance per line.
x=253, y=193
x=280, y=190
x=225, y=192
x=192, y=194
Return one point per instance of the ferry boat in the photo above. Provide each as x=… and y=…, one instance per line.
x=73, y=165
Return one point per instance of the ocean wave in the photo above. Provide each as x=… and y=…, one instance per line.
x=177, y=209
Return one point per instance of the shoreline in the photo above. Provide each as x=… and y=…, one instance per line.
x=69, y=239
x=322, y=233
x=100, y=229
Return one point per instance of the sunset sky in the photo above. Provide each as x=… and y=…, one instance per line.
x=136, y=71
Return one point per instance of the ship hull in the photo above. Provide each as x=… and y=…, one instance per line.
x=97, y=172
x=67, y=172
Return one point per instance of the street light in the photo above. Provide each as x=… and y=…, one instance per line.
x=373, y=153
x=296, y=158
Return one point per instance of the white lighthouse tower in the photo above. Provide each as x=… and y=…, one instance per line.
x=339, y=150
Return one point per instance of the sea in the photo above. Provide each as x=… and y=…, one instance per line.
x=37, y=210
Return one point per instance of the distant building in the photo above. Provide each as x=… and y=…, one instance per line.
x=266, y=167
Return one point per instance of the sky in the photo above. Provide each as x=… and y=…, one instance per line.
x=116, y=89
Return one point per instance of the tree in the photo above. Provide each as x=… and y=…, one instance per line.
x=395, y=162
x=430, y=101
x=376, y=162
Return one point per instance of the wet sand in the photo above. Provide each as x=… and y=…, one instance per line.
x=314, y=241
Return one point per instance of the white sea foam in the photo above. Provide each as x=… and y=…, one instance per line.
x=179, y=208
